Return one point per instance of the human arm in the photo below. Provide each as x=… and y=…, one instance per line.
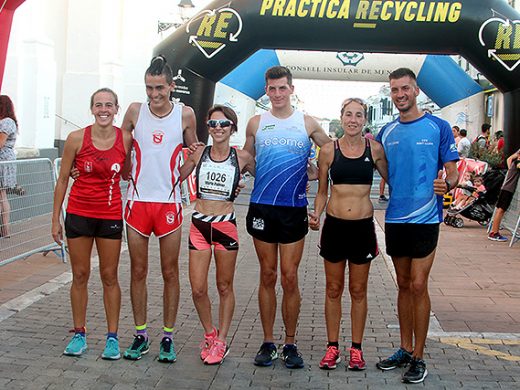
x=189, y=125
x=379, y=157
x=190, y=163
x=443, y=185
x=3, y=139
x=72, y=146
x=511, y=158
x=251, y=129
x=128, y=126
x=315, y=131
x=324, y=162
x=7, y=127
x=246, y=161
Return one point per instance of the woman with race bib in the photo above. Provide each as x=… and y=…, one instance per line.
x=218, y=169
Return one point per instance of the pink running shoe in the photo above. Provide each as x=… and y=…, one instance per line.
x=217, y=353
x=356, y=362
x=331, y=358
x=206, y=344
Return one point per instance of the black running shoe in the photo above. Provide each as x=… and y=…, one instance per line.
x=291, y=356
x=266, y=355
x=416, y=373
x=399, y=359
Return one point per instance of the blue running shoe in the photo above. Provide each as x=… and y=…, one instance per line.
x=76, y=346
x=167, y=351
x=266, y=355
x=399, y=359
x=111, y=351
x=291, y=356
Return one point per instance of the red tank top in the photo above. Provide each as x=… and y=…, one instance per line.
x=96, y=192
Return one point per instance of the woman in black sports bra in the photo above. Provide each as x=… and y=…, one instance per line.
x=348, y=233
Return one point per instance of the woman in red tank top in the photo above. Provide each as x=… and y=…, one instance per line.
x=94, y=213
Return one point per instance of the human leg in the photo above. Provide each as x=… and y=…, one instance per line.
x=109, y=252
x=402, y=267
x=198, y=270
x=225, y=273
x=5, y=210
x=169, y=249
x=138, y=250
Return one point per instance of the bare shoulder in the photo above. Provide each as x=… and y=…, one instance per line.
x=253, y=123
x=376, y=146
x=133, y=109
x=187, y=111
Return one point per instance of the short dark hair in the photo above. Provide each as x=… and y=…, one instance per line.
x=107, y=90
x=463, y=132
x=456, y=127
x=278, y=72
x=7, y=108
x=159, y=66
x=485, y=127
x=402, y=72
x=228, y=112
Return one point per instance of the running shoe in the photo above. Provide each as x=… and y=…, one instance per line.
x=167, y=351
x=399, y=359
x=76, y=346
x=217, y=353
x=416, y=373
x=206, y=344
x=291, y=356
x=331, y=359
x=139, y=347
x=496, y=237
x=111, y=351
x=356, y=362
x=266, y=354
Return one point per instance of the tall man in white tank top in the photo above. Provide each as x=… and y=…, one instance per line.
x=154, y=200
x=277, y=216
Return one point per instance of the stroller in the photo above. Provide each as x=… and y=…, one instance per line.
x=481, y=208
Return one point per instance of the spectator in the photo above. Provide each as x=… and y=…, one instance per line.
x=456, y=133
x=463, y=145
x=8, y=133
x=506, y=196
x=483, y=139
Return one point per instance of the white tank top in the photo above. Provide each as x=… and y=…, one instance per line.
x=156, y=157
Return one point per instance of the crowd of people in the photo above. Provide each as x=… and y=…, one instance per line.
x=147, y=152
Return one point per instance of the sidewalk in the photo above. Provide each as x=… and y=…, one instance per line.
x=474, y=288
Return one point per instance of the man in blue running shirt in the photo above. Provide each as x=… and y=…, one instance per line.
x=277, y=216
x=418, y=146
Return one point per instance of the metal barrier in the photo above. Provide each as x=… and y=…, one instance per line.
x=29, y=228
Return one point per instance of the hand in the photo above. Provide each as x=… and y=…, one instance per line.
x=241, y=185
x=440, y=187
x=314, y=221
x=74, y=173
x=194, y=146
x=57, y=233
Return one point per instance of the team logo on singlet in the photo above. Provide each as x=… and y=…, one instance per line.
x=88, y=166
x=115, y=168
x=157, y=137
x=170, y=217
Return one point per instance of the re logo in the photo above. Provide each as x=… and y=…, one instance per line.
x=502, y=39
x=216, y=30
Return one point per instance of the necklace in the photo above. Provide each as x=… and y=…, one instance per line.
x=161, y=116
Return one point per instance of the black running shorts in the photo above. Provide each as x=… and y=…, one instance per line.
x=78, y=226
x=411, y=239
x=352, y=240
x=277, y=224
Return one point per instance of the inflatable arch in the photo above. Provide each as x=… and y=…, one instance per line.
x=227, y=33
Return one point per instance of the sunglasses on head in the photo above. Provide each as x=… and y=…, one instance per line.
x=219, y=122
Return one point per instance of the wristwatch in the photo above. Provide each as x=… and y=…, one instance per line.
x=448, y=185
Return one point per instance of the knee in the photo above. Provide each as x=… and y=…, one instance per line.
x=139, y=272
x=170, y=275
x=358, y=292
x=268, y=278
x=224, y=288
x=109, y=278
x=290, y=281
x=419, y=287
x=80, y=278
x=334, y=290
x=199, y=292
x=404, y=284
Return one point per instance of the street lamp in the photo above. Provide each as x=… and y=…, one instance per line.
x=185, y=7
